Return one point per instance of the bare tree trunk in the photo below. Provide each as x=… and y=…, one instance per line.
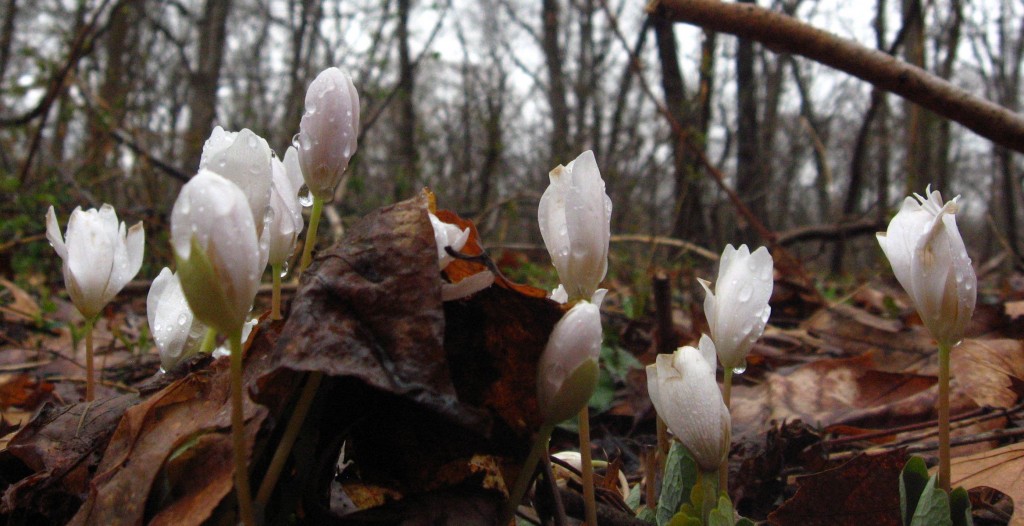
x=688, y=219
x=750, y=183
x=917, y=161
x=204, y=79
x=494, y=142
x=408, y=158
x=303, y=13
x=560, y=152
x=7, y=37
x=943, y=144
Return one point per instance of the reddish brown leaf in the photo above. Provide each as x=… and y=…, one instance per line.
x=864, y=490
x=58, y=450
x=148, y=435
x=24, y=390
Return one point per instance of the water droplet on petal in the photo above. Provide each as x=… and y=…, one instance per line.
x=305, y=196
x=284, y=269
x=182, y=319
x=739, y=370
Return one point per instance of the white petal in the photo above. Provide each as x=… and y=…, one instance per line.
x=91, y=255
x=691, y=405
x=328, y=131
x=286, y=221
x=53, y=234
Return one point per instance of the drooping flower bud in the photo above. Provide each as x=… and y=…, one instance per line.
x=328, y=131
x=220, y=260
x=928, y=256
x=738, y=309
x=567, y=372
x=574, y=216
x=99, y=256
x=685, y=394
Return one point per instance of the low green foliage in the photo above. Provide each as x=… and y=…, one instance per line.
x=924, y=504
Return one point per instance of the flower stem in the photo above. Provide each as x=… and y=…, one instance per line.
x=314, y=223
x=723, y=469
x=587, y=468
x=944, y=471
x=540, y=447
x=275, y=298
x=709, y=481
x=291, y=433
x=238, y=433
x=663, y=443
x=90, y=381
x=209, y=341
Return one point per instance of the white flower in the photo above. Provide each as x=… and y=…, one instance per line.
x=175, y=330
x=930, y=261
x=220, y=260
x=685, y=394
x=328, y=131
x=738, y=310
x=99, y=256
x=294, y=171
x=447, y=235
x=574, y=216
x=567, y=371
x=244, y=159
x=286, y=221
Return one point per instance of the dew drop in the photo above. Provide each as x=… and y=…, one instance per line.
x=739, y=370
x=311, y=106
x=746, y=292
x=295, y=140
x=305, y=196
x=182, y=319
x=284, y=269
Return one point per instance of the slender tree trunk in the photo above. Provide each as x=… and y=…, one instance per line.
x=560, y=151
x=7, y=37
x=917, y=162
x=303, y=13
x=205, y=79
x=687, y=219
x=943, y=144
x=750, y=182
x=408, y=158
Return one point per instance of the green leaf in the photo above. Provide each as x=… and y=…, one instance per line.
x=680, y=477
x=684, y=519
x=647, y=515
x=932, y=508
x=960, y=508
x=913, y=480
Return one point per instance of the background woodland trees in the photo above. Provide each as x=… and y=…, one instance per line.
x=111, y=100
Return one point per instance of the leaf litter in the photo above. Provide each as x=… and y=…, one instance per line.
x=427, y=408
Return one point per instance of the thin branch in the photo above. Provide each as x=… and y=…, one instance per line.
x=784, y=34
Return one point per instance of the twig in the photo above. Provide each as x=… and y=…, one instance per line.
x=785, y=34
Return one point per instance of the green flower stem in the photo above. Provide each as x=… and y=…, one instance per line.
x=314, y=223
x=709, y=481
x=275, y=298
x=209, y=341
x=291, y=433
x=723, y=469
x=540, y=447
x=587, y=468
x=90, y=373
x=944, y=471
x=238, y=433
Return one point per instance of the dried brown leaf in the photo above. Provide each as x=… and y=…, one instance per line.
x=989, y=371
x=864, y=490
x=1001, y=469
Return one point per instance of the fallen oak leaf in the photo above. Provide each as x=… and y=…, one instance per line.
x=1001, y=469
x=864, y=490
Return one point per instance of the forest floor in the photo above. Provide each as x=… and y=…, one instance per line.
x=836, y=395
